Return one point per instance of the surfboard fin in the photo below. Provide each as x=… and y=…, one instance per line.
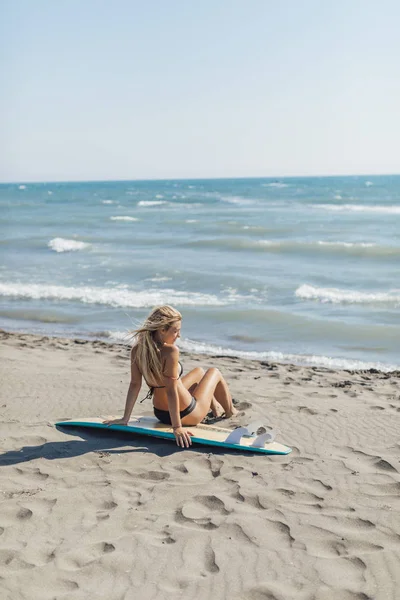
x=236, y=435
x=264, y=438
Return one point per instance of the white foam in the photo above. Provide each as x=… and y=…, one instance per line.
x=385, y=209
x=22, y=187
x=123, y=219
x=120, y=296
x=179, y=205
x=63, y=245
x=151, y=202
x=268, y=243
x=159, y=196
x=275, y=184
x=337, y=296
x=191, y=221
x=235, y=200
x=280, y=357
x=347, y=244
x=300, y=244
x=107, y=202
x=368, y=183
x=338, y=197
x=49, y=193
x=159, y=279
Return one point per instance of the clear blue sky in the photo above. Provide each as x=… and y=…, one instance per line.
x=122, y=89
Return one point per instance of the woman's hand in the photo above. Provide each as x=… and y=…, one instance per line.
x=182, y=437
x=121, y=421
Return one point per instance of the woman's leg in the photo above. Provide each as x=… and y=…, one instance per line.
x=212, y=383
x=191, y=381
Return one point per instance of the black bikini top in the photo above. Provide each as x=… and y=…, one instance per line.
x=158, y=387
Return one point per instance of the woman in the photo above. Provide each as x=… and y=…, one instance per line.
x=178, y=401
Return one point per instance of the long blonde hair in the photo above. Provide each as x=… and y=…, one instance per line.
x=147, y=355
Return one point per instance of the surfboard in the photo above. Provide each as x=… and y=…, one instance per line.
x=241, y=438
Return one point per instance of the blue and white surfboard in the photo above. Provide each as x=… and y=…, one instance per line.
x=242, y=438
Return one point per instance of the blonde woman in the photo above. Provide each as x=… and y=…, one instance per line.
x=179, y=400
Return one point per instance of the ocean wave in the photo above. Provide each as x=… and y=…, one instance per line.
x=276, y=184
x=151, y=202
x=42, y=316
x=116, y=297
x=123, y=219
x=337, y=296
x=107, y=201
x=375, y=208
x=237, y=244
x=280, y=357
x=158, y=279
x=348, y=244
x=180, y=205
x=235, y=200
x=225, y=197
x=63, y=245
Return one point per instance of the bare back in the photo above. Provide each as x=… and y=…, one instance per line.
x=170, y=366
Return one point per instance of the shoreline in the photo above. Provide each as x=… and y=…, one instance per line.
x=109, y=341
x=144, y=517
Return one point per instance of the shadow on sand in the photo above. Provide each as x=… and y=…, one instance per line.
x=101, y=441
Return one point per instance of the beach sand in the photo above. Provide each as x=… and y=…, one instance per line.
x=91, y=514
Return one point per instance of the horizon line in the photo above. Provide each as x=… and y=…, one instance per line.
x=155, y=179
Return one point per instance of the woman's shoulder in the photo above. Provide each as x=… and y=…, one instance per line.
x=170, y=351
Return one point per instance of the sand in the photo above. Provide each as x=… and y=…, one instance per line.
x=90, y=514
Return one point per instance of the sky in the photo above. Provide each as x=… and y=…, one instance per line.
x=164, y=89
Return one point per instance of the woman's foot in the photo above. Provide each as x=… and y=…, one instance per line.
x=216, y=408
x=232, y=413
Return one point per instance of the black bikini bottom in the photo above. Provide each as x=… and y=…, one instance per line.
x=165, y=417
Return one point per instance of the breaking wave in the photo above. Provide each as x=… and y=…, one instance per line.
x=337, y=296
x=63, y=245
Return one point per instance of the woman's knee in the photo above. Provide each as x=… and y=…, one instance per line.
x=214, y=370
x=197, y=372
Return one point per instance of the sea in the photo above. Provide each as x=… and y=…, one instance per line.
x=293, y=270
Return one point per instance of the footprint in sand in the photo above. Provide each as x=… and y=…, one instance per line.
x=243, y=405
x=203, y=511
x=24, y=513
x=210, y=562
x=78, y=558
x=154, y=476
x=307, y=410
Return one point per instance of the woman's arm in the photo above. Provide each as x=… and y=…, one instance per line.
x=171, y=376
x=131, y=397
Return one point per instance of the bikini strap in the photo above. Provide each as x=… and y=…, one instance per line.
x=148, y=395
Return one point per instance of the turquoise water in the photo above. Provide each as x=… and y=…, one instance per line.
x=303, y=270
